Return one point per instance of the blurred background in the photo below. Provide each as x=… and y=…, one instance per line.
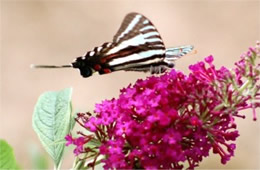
x=55, y=32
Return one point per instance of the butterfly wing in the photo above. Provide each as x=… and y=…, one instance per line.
x=137, y=46
x=139, y=29
x=137, y=43
x=171, y=55
x=175, y=53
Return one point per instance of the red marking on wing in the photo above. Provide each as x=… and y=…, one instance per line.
x=107, y=70
x=103, y=60
x=106, y=58
x=97, y=67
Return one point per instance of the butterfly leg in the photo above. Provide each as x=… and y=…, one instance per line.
x=158, y=69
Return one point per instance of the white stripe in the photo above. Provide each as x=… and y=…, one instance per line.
x=150, y=34
x=158, y=45
x=91, y=53
x=133, y=57
x=130, y=26
x=146, y=21
x=105, y=45
x=153, y=40
x=151, y=61
x=135, y=41
x=147, y=28
x=99, y=49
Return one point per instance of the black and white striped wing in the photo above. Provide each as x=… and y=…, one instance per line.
x=137, y=44
x=137, y=27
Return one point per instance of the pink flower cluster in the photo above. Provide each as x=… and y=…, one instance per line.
x=162, y=122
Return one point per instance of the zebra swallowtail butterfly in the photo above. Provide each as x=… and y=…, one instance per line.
x=137, y=46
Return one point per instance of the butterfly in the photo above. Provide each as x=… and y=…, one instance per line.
x=137, y=46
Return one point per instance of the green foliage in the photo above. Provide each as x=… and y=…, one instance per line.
x=39, y=159
x=52, y=121
x=7, y=158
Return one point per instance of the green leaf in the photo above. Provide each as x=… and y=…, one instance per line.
x=38, y=159
x=7, y=158
x=51, y=121
x=72, y=120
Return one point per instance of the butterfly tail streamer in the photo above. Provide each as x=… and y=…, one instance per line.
x=175, y=53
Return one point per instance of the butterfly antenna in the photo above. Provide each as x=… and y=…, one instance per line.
x=50, y=66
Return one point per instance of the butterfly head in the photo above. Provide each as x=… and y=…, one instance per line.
x=85, y=70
